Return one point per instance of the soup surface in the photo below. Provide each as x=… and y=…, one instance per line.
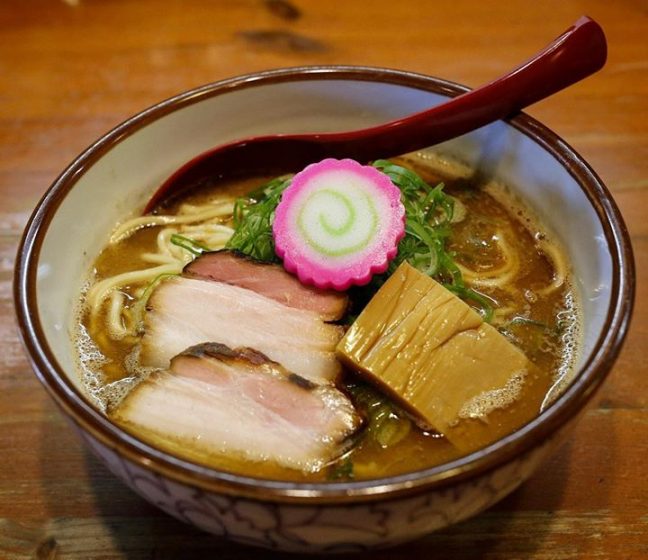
x=515, y=269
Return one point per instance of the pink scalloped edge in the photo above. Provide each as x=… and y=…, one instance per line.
x=313, y=273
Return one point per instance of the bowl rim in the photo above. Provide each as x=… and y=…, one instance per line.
x=85, y=416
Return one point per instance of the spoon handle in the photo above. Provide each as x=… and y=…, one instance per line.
x=580, y=51
x=577, y=53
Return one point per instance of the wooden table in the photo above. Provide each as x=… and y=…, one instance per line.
x=72, y=69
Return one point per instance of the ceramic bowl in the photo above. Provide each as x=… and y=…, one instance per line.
x=119, y=172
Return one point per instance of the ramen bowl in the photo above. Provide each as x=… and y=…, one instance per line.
x=118, y=174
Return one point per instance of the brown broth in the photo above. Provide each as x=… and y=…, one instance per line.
x=546, y=333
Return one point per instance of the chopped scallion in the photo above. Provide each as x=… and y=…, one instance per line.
x=429, y=212
x=386, y=423
x=190, y=245
x=138, y=308
x=342, y=470
x=253, y=217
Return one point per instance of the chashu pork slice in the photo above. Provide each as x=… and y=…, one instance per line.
x=270, y=280
x=238, y=403
x=183, y=312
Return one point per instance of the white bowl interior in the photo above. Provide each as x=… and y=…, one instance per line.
x=119, y=183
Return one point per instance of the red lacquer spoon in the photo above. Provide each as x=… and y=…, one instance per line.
x=580, y=51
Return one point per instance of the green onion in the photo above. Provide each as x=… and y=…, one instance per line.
x=190, y=245
x=342, y=470
x=485, y=307
x=429, y=211
x=386, y=424
x=519, y=320
x=253, y=217
x=138, y=308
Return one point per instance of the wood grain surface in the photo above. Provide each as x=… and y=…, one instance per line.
x=70, y=70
